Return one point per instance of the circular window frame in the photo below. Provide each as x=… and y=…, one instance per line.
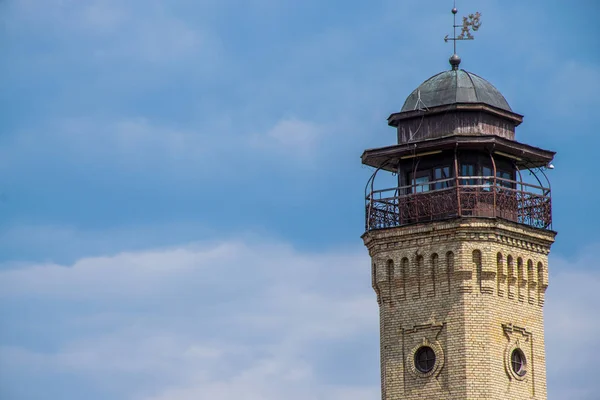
x=522, y=362
x=520, y=375
x=429, y=357
x=438, y=361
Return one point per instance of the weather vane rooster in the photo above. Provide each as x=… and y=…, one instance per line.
x=472, y=21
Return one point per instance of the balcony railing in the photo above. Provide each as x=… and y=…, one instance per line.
x=465, y=196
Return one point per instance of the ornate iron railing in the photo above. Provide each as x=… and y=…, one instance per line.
x=465, y=196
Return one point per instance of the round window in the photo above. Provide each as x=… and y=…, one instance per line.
x=424, y=359
x=517, y=362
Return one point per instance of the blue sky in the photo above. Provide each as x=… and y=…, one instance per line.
x=180, y=184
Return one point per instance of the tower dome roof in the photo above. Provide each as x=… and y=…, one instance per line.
x=455, y=86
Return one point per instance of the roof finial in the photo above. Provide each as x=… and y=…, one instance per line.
x=472, y=21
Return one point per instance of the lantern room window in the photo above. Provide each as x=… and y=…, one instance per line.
x=468, y=170
x=441, y=173
x=420, y=184
x=505, y=178
x=488, y=179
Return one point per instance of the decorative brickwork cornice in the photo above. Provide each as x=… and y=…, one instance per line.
x=508, y=233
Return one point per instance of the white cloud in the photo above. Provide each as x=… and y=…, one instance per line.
x=572, y=325
x=294, y=134
x=202, y=321
x=135, y=31
x=291, y=138
x=101, y=17
x=140, y=145
x=249, y=319
x=160, y=41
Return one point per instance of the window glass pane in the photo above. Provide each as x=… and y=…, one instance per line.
x=441, y=173
x=504, y=175
x=425, y=359
x=419, y=182
x=468, y=170
x=487, y=171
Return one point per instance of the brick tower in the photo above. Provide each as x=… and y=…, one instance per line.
x=460, y=247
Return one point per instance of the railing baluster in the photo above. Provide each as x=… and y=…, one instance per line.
x=400, y=206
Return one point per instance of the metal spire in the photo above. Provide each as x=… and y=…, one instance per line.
x=472, y=21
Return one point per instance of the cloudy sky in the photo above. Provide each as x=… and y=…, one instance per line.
x=181, y=190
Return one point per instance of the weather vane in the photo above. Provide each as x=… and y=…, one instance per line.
x=470, y=22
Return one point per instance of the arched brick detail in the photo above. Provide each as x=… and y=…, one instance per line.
x=403, y=278
x=374, y=281
x=511, y=278
x=521, y=280
x=437, y=274
x=478, y=268
x=389, y=267
x=429, y=276
x=500, y=275
x=390, y=270
x=531, y=283
x=449, y=272
x=542, y=282
x=418, y=274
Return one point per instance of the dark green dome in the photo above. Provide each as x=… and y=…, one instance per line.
x=455, y=86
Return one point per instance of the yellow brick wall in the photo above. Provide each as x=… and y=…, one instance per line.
x=473, y=290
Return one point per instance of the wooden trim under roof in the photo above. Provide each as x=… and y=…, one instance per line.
x=524, y=155
x=395, y=118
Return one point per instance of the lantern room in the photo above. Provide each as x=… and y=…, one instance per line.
x=457, y=157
